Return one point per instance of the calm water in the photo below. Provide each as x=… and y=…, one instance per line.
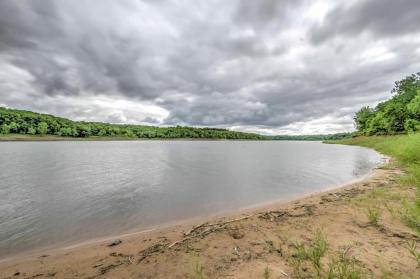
x=62, y=192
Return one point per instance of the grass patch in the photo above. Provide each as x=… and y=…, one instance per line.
x=198, y=271
x=344, y=267
x=405, y=149
x=309, y=259
x=317, y=250
x=412, y=248
x=373, y=216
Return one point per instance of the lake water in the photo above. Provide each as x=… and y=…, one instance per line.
x=58, y=193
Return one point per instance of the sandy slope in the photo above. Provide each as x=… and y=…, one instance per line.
x=249, y=244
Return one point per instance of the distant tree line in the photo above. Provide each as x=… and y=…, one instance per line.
x=337, y=136
x=14, y=121
x=400, y=114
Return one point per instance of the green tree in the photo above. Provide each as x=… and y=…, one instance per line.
x=412, y=125
x=361, y=118
x=42, y=128
x=13, y=127
x=4, y=129
x=65, y=131
x=414, y=106
x=398, y=115
x=83, y=130
x=31, y=131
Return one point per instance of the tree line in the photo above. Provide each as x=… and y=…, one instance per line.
x=400, y=114
x=337, y=136
x=13, y=121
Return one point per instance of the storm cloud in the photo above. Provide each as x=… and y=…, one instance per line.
x=265, y=66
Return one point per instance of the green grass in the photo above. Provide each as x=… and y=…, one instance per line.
x=373, y=215
x=412, y=248
x=198, y=271
x=341, y=265
x=344, y=267
x=317, y=250
x=405, y=149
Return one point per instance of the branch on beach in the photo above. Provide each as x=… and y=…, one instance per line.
x=207, y=228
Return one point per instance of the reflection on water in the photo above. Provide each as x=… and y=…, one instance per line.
x=61, y=192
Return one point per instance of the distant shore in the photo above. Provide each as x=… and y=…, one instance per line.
x=242, y=244
x=20, y=137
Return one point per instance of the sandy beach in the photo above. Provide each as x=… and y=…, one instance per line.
x=247, y=244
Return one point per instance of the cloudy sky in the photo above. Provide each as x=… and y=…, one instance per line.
x=276, y=67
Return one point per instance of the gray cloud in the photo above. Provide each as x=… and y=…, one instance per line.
x=379, y=18
x=265, y=66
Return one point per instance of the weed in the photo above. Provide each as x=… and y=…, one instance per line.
x=247, y=255
x=267, y=272
x=317, y=250
x=312, y=253
x=341, y=267
x=199, y=271
x=373, y=215
x=412, y=248
x=298, y=256
x=411, y=214
x=269, y=244
x=391, y=210
x=344, y=267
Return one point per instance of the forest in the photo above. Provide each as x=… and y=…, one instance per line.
x=13, y=121
x=398, y=115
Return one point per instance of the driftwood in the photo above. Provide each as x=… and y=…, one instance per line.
x=157, y=247
x=205, y=229
x=298, y=211
x=127, y=259
x=284, y=273
x=107, y=268
x=275, y=215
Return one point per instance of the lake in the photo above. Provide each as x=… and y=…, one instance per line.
x=59, y=193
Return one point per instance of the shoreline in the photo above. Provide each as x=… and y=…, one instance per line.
x=26, y=138
x=161, y=228
x=39, y=138
x=244, y=243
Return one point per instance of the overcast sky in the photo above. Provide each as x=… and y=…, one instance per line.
x=276, y=67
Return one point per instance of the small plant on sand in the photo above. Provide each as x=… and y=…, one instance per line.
x=391, y=210
x=297, y=258
x=199, y=271
x=411, y=213
x=317, y=250
x=304, y=256
x=373, y=215
x=311, y=253
x=412, y=248
x=344, y=267
x=271, y=248
x=267, y=272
